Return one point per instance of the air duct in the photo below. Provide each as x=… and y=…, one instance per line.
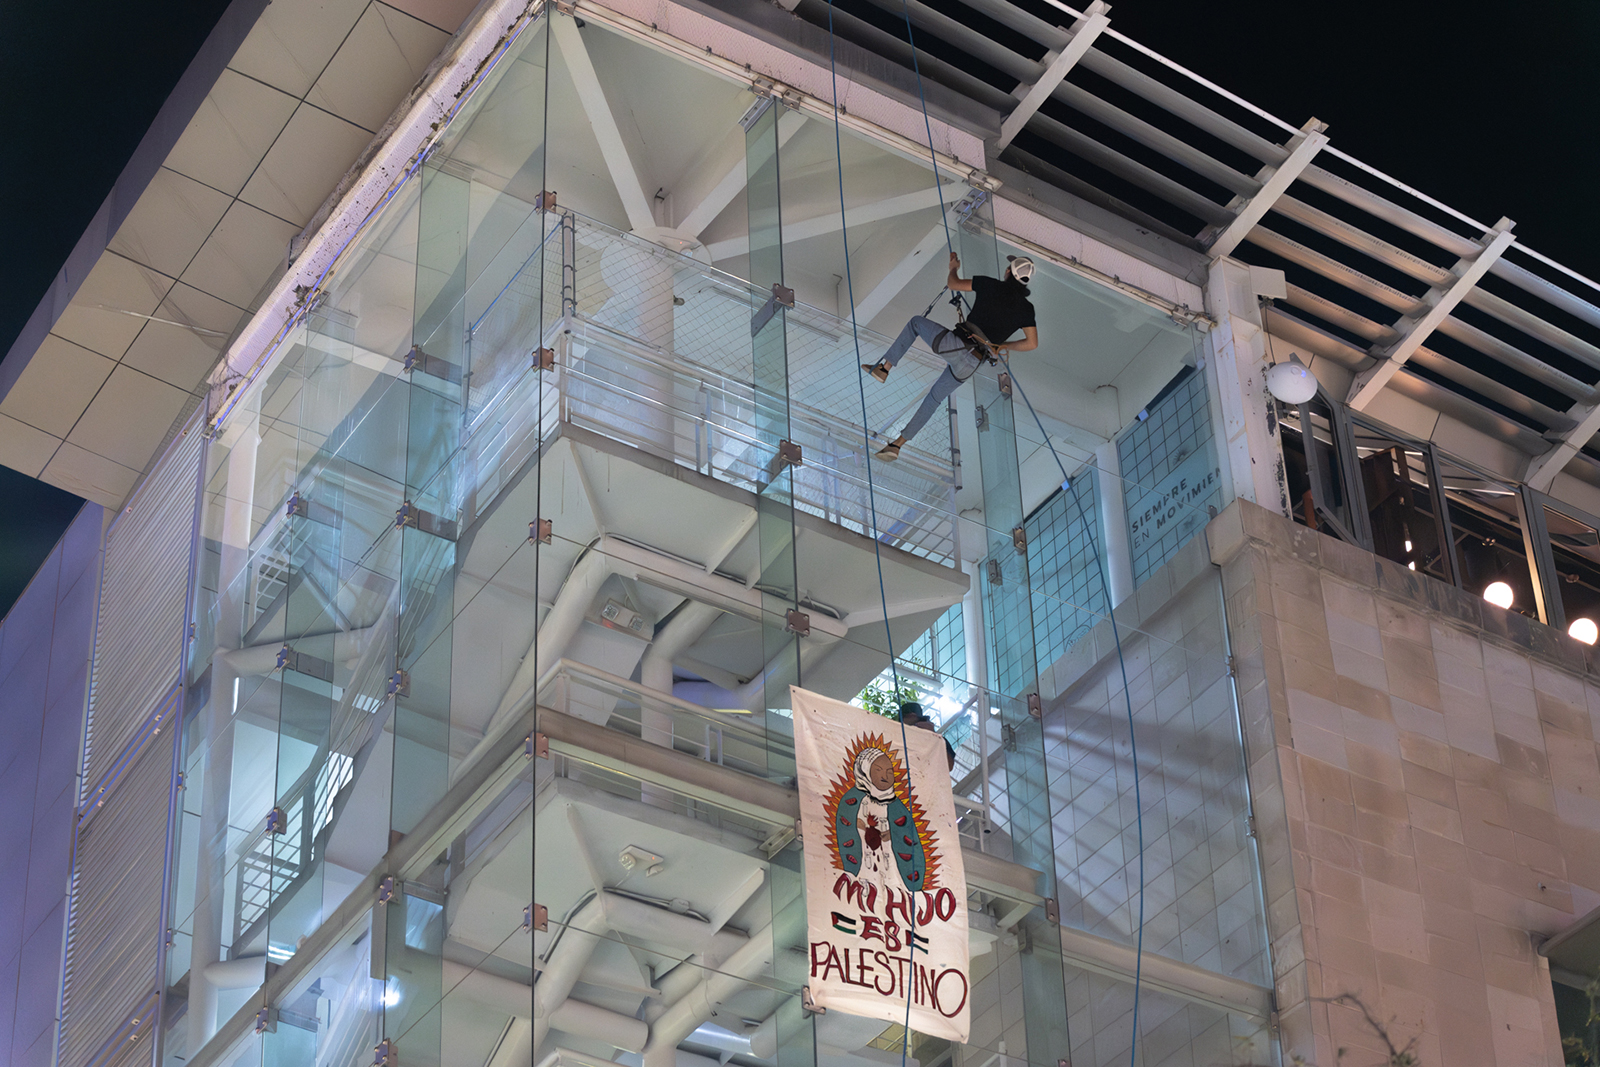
x=610, y=555
x=567, y=960
x=587, y=1020
x=701, y=1002
x=246, y=972
x=752, y=695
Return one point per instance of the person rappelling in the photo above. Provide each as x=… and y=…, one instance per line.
x=1000, y=308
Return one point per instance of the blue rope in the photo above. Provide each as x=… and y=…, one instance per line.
x=1138, y=969
x=1138, y=973
x=1133, y=741
x=916, y=68
x=877, y=547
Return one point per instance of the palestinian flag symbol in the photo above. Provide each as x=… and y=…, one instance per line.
x=877, y=823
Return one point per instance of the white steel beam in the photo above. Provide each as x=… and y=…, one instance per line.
x=732, y=181
x=828, y=222
x=1084, y=32
x=1275, y=181
x=900, y=275
x=604, y=124
x=1542, y=469
x=1436, y=306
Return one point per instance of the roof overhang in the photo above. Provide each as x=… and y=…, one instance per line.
x=266, y=121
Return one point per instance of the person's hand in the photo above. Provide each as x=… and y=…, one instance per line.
x=955, y=262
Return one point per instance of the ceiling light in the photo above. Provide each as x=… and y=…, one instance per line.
x=1499, y=594
x=1292, y=381
x=1584, y=630
x=391, y=997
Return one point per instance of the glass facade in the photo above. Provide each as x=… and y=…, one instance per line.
x=509, y=558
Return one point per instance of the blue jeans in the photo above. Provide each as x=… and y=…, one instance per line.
x=945, y=344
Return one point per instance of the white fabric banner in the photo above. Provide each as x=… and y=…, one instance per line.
x=886, y=893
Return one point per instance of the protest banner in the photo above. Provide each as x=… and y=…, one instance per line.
x=886, y=895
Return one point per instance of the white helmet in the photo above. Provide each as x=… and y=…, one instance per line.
x=1021, y=268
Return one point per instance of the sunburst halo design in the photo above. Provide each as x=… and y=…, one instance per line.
x=902, y=789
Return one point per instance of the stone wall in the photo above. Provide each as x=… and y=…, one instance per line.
x=1427, y=798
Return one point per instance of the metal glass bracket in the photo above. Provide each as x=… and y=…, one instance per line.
x=782, y=296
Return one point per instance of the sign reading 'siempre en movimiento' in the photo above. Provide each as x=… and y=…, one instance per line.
x=886, y=895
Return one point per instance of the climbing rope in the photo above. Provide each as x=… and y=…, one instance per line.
x=866, y=447
x=1070, y=487
x=1066, y=483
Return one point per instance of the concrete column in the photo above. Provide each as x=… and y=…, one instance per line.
x=1250, y=449
x=972, y=630
x=1114, y=524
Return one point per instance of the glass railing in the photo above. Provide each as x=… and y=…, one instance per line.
x=746, y=743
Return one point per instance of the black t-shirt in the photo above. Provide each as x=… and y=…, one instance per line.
x=1000, y=308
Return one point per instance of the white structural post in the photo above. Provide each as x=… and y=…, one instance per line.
x=858, y=216
x=1250, y=445
x=1543, y=468
x=1275, y=181
x=1436, y=305
x=731, y=182
x=972, y=632
x=1114, y=524
x=900, y=275
x=603, y=123
x=1084, y=32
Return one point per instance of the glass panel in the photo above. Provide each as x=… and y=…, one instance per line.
x=422, y=622
x=1064, y=560
x=1575, y=549
x=1487, y=529
x=1202, y=902
x=1172, y=1032
x=1172, y=478
x=1318, y=481
x=1402, y=510
x=1013, y=654
x=795, y=1035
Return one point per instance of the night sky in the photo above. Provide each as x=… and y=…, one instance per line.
x=83, y=82
x=1488, y=108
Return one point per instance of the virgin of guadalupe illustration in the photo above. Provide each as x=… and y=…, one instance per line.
x=880, y=832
